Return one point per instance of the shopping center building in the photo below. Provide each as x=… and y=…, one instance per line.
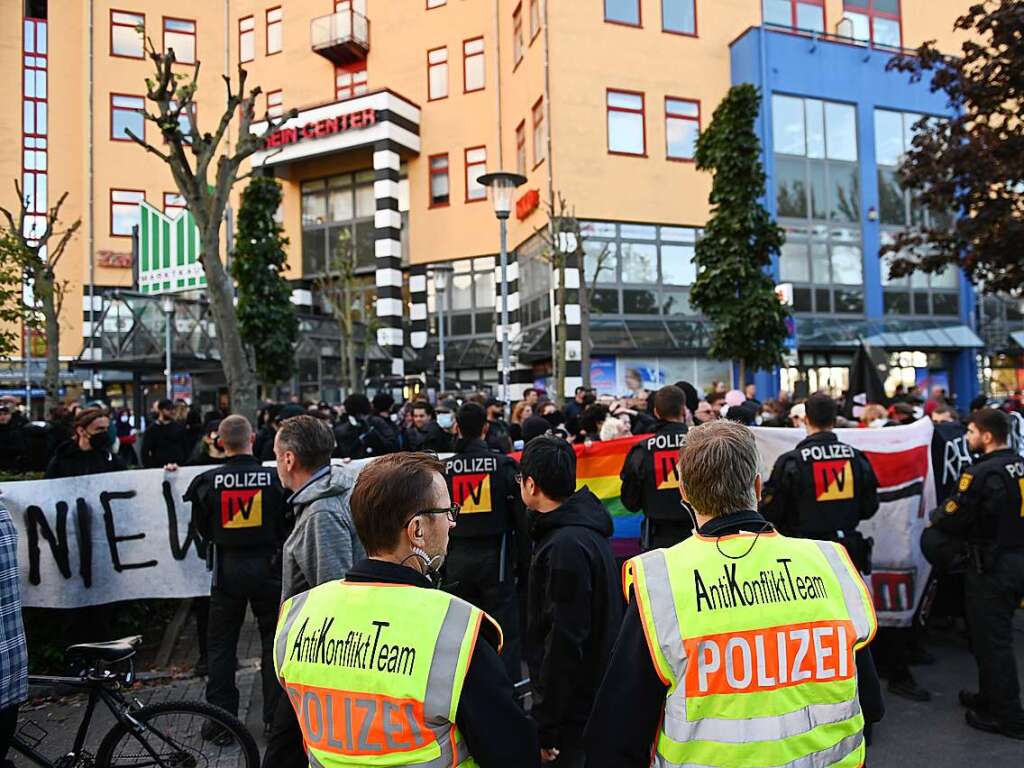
x=403, y=104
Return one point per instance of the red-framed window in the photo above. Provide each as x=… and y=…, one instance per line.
x=623, y=12
x=126, y=38
x=474, y=73
x=275, y=30
x=436, y=3
x=180, y=34
x=627, y=123
x=351, y=80
x=682, y=128
x=247, y=39
x=521, y=148
x=875, y=21
x=185, y=121
x=534, y=18
x=476, y=166
x=437, y=74
x=174, y=204
x=679, y=17
x=124, y=210
x=517, y=34
x=440, y=183
x=537, y=113
x=127, y=113
x=807, y=15
x=275, y=103
x=35, y=107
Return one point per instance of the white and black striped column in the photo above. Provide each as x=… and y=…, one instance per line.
x=418, y=306
x=388, y=252
x=574, y=336
x=520, y=377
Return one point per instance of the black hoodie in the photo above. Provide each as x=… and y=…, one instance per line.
x=71, y=461
x=575, y=609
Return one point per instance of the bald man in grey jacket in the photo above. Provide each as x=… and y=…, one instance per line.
x=322, y=546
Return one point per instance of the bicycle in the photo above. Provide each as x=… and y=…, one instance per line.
x=171, y=734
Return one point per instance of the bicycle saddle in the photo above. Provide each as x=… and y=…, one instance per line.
x=111, y=651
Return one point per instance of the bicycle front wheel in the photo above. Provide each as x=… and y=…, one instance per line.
x=179, y=734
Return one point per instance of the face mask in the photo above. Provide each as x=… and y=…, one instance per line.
x=100, y=441
x=445, y=420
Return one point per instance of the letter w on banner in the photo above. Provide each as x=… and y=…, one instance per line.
x=901, y=458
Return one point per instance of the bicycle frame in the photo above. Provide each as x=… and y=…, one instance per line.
x=114, y=701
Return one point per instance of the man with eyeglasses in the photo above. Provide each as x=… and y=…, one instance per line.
x=384, y=668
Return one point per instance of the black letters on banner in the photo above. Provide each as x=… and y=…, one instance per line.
x=83, y=534
x=112, y=538
x=180, y=549
x=35, y=523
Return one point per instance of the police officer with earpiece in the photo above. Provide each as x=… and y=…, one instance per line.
x=238, y=510
x=490, y=547
x=649, y=476
x=986, y=515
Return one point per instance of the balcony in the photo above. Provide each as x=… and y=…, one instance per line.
x=342, y=37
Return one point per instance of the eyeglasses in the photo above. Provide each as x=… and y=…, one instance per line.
x=452, y=512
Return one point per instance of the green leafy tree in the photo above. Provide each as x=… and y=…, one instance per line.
x=733, y=289
x=973, y=163
x=266, y=315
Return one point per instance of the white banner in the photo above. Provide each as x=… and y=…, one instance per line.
x=901, y=458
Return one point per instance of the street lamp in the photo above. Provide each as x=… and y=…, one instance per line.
x=167, y=304
x=502, y=185
x=442, y=273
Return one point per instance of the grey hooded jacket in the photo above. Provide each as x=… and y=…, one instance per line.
x=323, y=545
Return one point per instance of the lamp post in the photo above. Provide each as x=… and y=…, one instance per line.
x=441, y=273
x=167, y=304
x=501, y=185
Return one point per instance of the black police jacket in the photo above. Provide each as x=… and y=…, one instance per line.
x=433, y=438
x=239, y=505
x=483, y=483
x=650, y=476
x=987, y=507
x=820, y=488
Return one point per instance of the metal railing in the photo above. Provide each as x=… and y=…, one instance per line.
x=339, y=28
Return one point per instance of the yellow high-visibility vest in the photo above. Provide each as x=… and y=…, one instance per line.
x=374, y=673
x=755, y=635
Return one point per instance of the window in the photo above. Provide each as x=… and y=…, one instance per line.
x=180, y=34
x=350, y=81
x=875, y=21
x=275, y=103
x=435, y=3
x=538, y=132
x=126, y=32
x=174, y=204
x=517, y=34
x=476, y=166
x=124, y=210
x=626, y=123
x=473, y=73
x=126, y=114
x=184, y=120
x=808, y=15
x=679, y=16
x=682, y=127
x=437, y=74
x=622, y=12
x=521, y=148
x=817, y=197
x=247, y=39
x=440, y=187
x=534, y=18
x=275, y=30
x=470, y=299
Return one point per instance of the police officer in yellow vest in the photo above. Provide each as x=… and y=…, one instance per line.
x=740, y=647
x=383, y=668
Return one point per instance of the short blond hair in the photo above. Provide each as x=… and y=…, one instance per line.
x=717, y=466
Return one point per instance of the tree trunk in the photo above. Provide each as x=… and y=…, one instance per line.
x=584, y=320
x=743, y=373
x=45, y=291
x=238, y=369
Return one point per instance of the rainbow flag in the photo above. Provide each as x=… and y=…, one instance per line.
x=597, y=467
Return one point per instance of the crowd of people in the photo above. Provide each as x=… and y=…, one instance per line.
x=532, y=602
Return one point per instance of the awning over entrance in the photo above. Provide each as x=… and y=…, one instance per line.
x=342, y=126
x=924, y=335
